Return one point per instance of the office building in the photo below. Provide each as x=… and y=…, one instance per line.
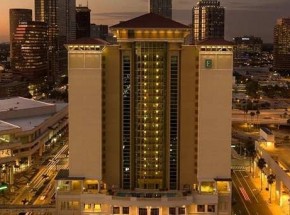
x=29, y=47
x=282, y=45
x=60, y=18
x=16, y=16
x=144, y=138
x=247, y=45
x=208, y=18
x=46, y=11
x=99, y=31
x=83, y=22
x=161, y=7
x=66, y=19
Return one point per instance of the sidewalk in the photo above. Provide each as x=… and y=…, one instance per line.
x=265, y=194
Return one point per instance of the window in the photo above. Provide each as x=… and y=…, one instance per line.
x=142, y=211
x=200, y=208
x=211, y=208
x=172, y=211
x=181, y=210
x=154, y=211
x=131, y=33
x=116, y=210
x=126, y=210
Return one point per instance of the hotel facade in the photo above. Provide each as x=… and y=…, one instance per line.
x=150, y=123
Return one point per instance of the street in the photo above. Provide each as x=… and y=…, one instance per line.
x=246, y=197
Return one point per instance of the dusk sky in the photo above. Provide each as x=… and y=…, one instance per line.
x=243, y=17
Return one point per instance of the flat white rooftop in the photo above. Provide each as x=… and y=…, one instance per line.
x=25, y=114
x=19, y=103
x=5, y=126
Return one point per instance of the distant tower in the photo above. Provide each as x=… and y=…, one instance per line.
x=83, y=21
x=29, y=47
x=66, y=19
x=208, y=20
x=16, y=16
x=45, y=11
x=161, y=7
x=60, y=18
x=282, y=45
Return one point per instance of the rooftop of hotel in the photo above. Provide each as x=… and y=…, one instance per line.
x=88, y=41
x=150, y=20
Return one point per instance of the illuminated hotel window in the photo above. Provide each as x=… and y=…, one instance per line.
x=207, y=187
x=149, y=87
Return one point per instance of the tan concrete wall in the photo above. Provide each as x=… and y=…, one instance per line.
x=112, y=116
x=188, y=108
x=85, y=114
x=215, y=95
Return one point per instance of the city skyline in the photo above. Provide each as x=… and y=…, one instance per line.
x=252, y=17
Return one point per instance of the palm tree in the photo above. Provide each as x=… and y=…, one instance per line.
x=245, y=109
x=271, y=178
x=261, y=164
x=258, y=114
x=252, y=114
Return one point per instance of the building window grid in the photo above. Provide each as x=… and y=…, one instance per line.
x=174, y=91
x=150, y=82
x=126, y=65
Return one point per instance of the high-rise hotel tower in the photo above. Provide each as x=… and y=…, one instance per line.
x=208, y=20
x=150, y=123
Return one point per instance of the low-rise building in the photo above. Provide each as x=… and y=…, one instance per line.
x=27, y=128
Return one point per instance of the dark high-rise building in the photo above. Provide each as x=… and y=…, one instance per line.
x=99, y=31
x=29, y=47
x=282, y=45
x=83, y=22
x=45, y=11
x=207, y=20
x=161, y=7
x=60, y=18
x=247, y=45
x=16, y=16
x=66, y=19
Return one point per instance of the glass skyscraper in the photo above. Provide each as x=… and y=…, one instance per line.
x=15, y=17
x=161, y=7
x=207, y=20
x=60, y=18
x=29, y=47
x=282, y=45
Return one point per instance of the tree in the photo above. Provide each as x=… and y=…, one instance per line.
x=252, y=114
x=252, y=87
x=261, y=165
x=258, y=114
x=270, y=178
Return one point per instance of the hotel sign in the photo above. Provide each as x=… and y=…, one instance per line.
x=208, y=63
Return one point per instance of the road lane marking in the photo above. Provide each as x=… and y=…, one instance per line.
x=242, y=199
x=250, y=189
x=245, y=194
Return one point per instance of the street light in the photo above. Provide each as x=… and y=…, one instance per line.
x=289, y=206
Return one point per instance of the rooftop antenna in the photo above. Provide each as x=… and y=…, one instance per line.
x=88, y=3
